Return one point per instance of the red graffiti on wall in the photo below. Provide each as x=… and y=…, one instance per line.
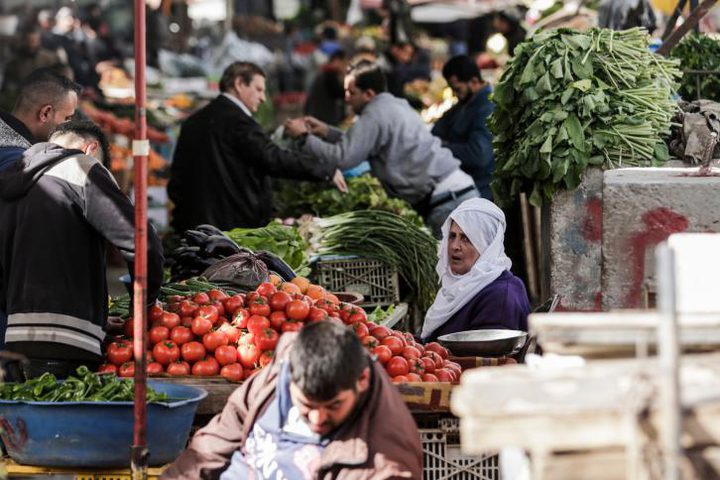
x=660, y=223
x=592, y=223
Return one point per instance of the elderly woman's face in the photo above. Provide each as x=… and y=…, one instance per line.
x=461, y=252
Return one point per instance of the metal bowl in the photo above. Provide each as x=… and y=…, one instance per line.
x=482, y=343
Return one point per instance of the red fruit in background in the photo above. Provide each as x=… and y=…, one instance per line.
x=429, y=364
x=226, y=354
x=257, y=324
x=409, y=338
x=149, y=356
x=383, y=353
x=166, y=352
x=420, y=348
x=155, y=313
x=358, y=316
x=209, y=312
x=246, y=338
x=317, y=315
x=107, y=368
x=291, y=326
x=233, y=303
x=251, y=297
x=439, y=362
x=399, y=336
x=394, y=344
x=158, y=334
x=119, y=352
x=380, y=332
x=444, y=375
x=181, y=335
x=279, y=300
x=129, y=327
x=266, y=289
x=186, y=322
x=397, y=366
x=417, y=366
x=437, y=348
x=326, y=305
x=232, y=333
x=410, y=352
x=216, y=295
x=220, y=308
x=413, y=377
x=265, y=358
x=240, y=318
x=169, y=320
x=248, y=355
x=429, y=377
x=277, y=319
x=201, y=298
x=193, y=351
x=259, y=307
x=360, y=329
x=187, y=308
x=400, y=379
x=297, y=310
x=154, y=368
x=212, y=340
x=370, y=342
x=201, y=326
x=126, y=370
x=178, y=368
x=267, y=339
x=206, y=368
x=232, y=372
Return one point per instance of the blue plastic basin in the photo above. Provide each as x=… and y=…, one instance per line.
x=96, y=434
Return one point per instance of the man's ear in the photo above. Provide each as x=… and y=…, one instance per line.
x=45, y=112
x=369, y=94
x=363, y=383
x=91, y=149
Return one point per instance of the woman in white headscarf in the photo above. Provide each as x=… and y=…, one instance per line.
x=478, y=290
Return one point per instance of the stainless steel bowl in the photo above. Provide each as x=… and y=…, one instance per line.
x=482, y=343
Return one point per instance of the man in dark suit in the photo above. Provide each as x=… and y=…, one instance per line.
x=224, y=160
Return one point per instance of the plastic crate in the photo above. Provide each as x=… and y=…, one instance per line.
x=444, y=460
x=375, y=280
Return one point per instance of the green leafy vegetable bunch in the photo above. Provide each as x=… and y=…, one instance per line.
x=699, y=53
x=285, y=242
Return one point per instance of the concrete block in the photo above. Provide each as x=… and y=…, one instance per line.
x=642, y=208
x=574, y=238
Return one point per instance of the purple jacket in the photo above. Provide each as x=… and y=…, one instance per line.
x=502, y=304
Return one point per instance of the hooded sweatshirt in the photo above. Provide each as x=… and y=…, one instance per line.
x=58, y=208
x=15, y=138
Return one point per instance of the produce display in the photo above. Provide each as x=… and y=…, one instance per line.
x=85, y=387
x=569, y=100
x=213, y=333
x=365, y=192
x=389, y=238
x=281, y=240
x=701, y=53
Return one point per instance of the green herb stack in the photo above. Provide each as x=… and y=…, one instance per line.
x=285, y=242
x=569, y=100
x=699, y=53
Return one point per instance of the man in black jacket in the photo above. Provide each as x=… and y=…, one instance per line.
x=58, y=208
x=223, y=160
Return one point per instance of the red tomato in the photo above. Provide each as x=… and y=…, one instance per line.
x=246, y=338
x=193, y=351
x=435, y=357
x=394, y=344
x=297, y=310
x=399, y=336
x=277, y=319
x=428, y=364
x=232, y=372
x=149, y=356
x=158, y=334
x=186, y=322
x=187, y=308
x=370, y=342
x=437, y=348
x=444, y=375
x=226, y=354
x=429, y=377
x=206, y=368
x=201, y=326
x=400, y=379
x=212, y=340
x=107, y=368
x=232, y=333
x=170, y=320
x=257, y=324
x=119, y=352
x=181, y=335
x=155, y=313
x=259, y=307
x=358, y=316
x=413, y=377
x=420, y=348
x=220, y=307
x=266, y=289
x=267, y=339
x=360, y=329
x=240, y=318
x=410, y=352
x=326, y=305
x=154, y=368
x=209, y=312
x=417, y=366
x=128, y=328
x=127, y=369
x=383, y=353
x=397, y=366
x=409, y=337
x=317, y=314
x=166, y=352
x=201, y=298
x=453, y=367
x=251, y=297
x=380, y=332
x=265, y=358
x=279, y=300
x=216, y=294
x=248, y=355
x=291, y=326
x=233, y=303
x=178, y=368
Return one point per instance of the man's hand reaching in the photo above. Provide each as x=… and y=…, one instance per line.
x=339, y=181
x=296, y=127
x=316, y=127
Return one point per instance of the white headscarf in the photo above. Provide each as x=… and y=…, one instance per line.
x=484, y=225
